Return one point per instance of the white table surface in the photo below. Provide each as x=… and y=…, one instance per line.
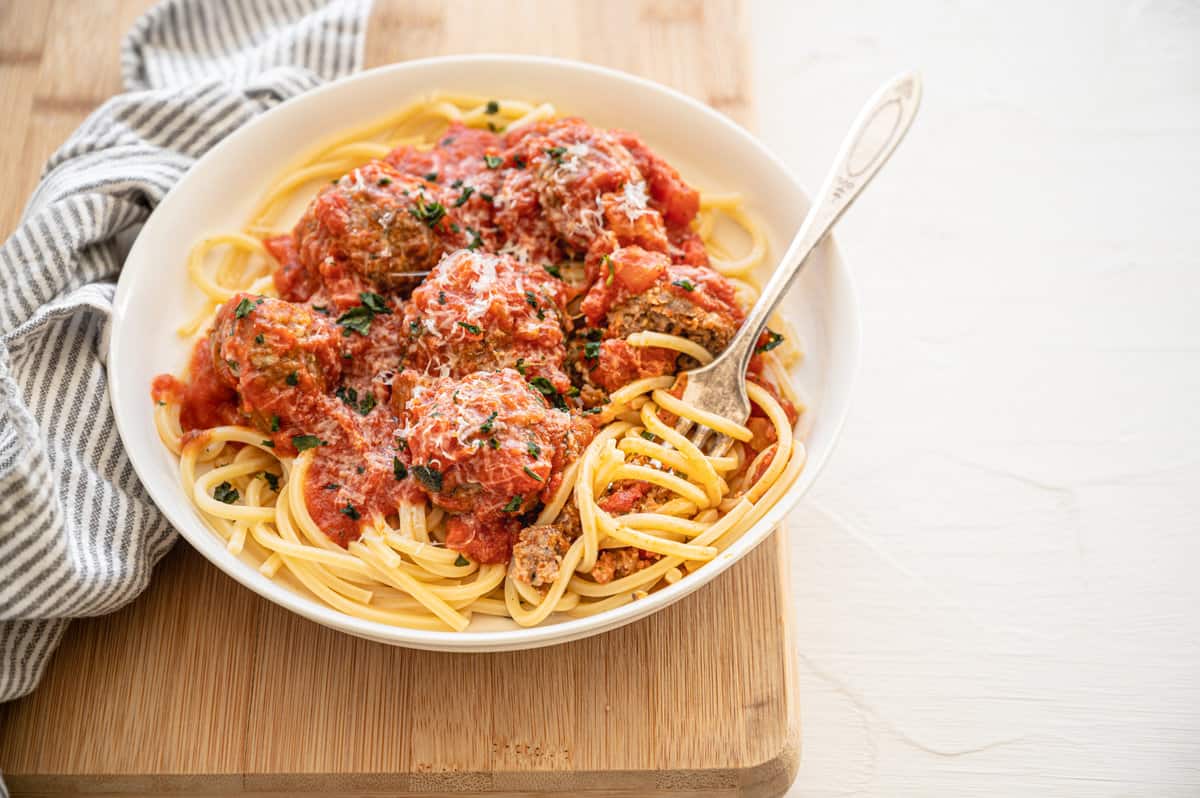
x=996, y=579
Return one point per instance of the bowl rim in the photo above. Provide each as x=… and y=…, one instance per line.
x=199, y=535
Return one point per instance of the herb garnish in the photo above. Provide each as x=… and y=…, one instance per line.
x=399, y=470
x=272, y=480
x=493, y=161
x=513, y=505
x=292, y=379
x=350, y=512
x=428, y=476
x=774, y=339
x=554, y=270
x=428, y=212
x=461, y=561
x=305, y=442
x=225, y=493
x=473, y=329
x=493, y=107
x=475, y=241
x=532, y=473
x=243, y=308
x=556, y=153
x=467, y=191
x=487, y=425
x=591, y=350
x=685, y=284
x=274, y=423
x=545, y=388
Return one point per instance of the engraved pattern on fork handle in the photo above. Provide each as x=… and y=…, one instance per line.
x=880, y=126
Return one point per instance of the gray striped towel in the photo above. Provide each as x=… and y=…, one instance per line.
x=78, y=534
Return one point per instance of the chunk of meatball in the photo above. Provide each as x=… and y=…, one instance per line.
x=539, y=550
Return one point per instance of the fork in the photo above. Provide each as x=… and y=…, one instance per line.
x=720, y=386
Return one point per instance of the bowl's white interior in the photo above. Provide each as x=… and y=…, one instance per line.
x=154, y=294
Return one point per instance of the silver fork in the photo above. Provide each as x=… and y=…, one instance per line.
x=720, y=387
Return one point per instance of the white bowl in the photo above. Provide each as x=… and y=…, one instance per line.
x=154, y=294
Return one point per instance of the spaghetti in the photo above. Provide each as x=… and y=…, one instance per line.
x=450, y=389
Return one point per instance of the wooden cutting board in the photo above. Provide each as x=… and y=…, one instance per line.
x=200, y=686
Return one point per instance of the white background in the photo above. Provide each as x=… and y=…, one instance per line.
x=996, y=579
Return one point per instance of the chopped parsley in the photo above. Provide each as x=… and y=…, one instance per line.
x=493, y=443
x=244, y=307
x=225, y=493
x=513, y=505
x=428, y=212
x=331, y=486
x=399, y=470
x=305, y=442
x=473, y=329
x=774, y=339
x=384, y=181
x=554, y=270
x=476, y=241
x=274, y=423
x=556, y=153
x=533, y=449
x=431, y=177
x=591, y=350
x=350, y=397
x=272, y=480
x=532, y=473
x=533, y=303
x=414, y=328
x=519, y=162
x=647, y=434
x=493, y=107
x=467, y=191
x=375, y=303
x=487, y=425
x=461, y=561
x=486, y=197
x=456, y=183
x=357, y=319
x=268, y=444
x=493, y=161
x=521, y=366
x=685, y=284
x=428, y=476
x=323, y=309
x=441, y=297
x=546, y=389
x=292, y=379
x=259, y=339
x=350, y=512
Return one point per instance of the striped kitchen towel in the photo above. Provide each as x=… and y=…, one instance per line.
x=78, y=533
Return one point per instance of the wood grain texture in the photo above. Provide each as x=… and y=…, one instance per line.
x=201, y=687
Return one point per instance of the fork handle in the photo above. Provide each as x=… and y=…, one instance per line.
x=879, y=127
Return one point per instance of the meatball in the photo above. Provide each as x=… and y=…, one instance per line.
x=488, y=447
x=639, y=290
x=375, y=229
x=478, y=311
x=571, y=165
x=271, y=352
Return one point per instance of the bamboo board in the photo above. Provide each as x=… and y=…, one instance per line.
x=201, y=687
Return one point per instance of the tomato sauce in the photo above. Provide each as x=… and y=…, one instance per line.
x=419, y=347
